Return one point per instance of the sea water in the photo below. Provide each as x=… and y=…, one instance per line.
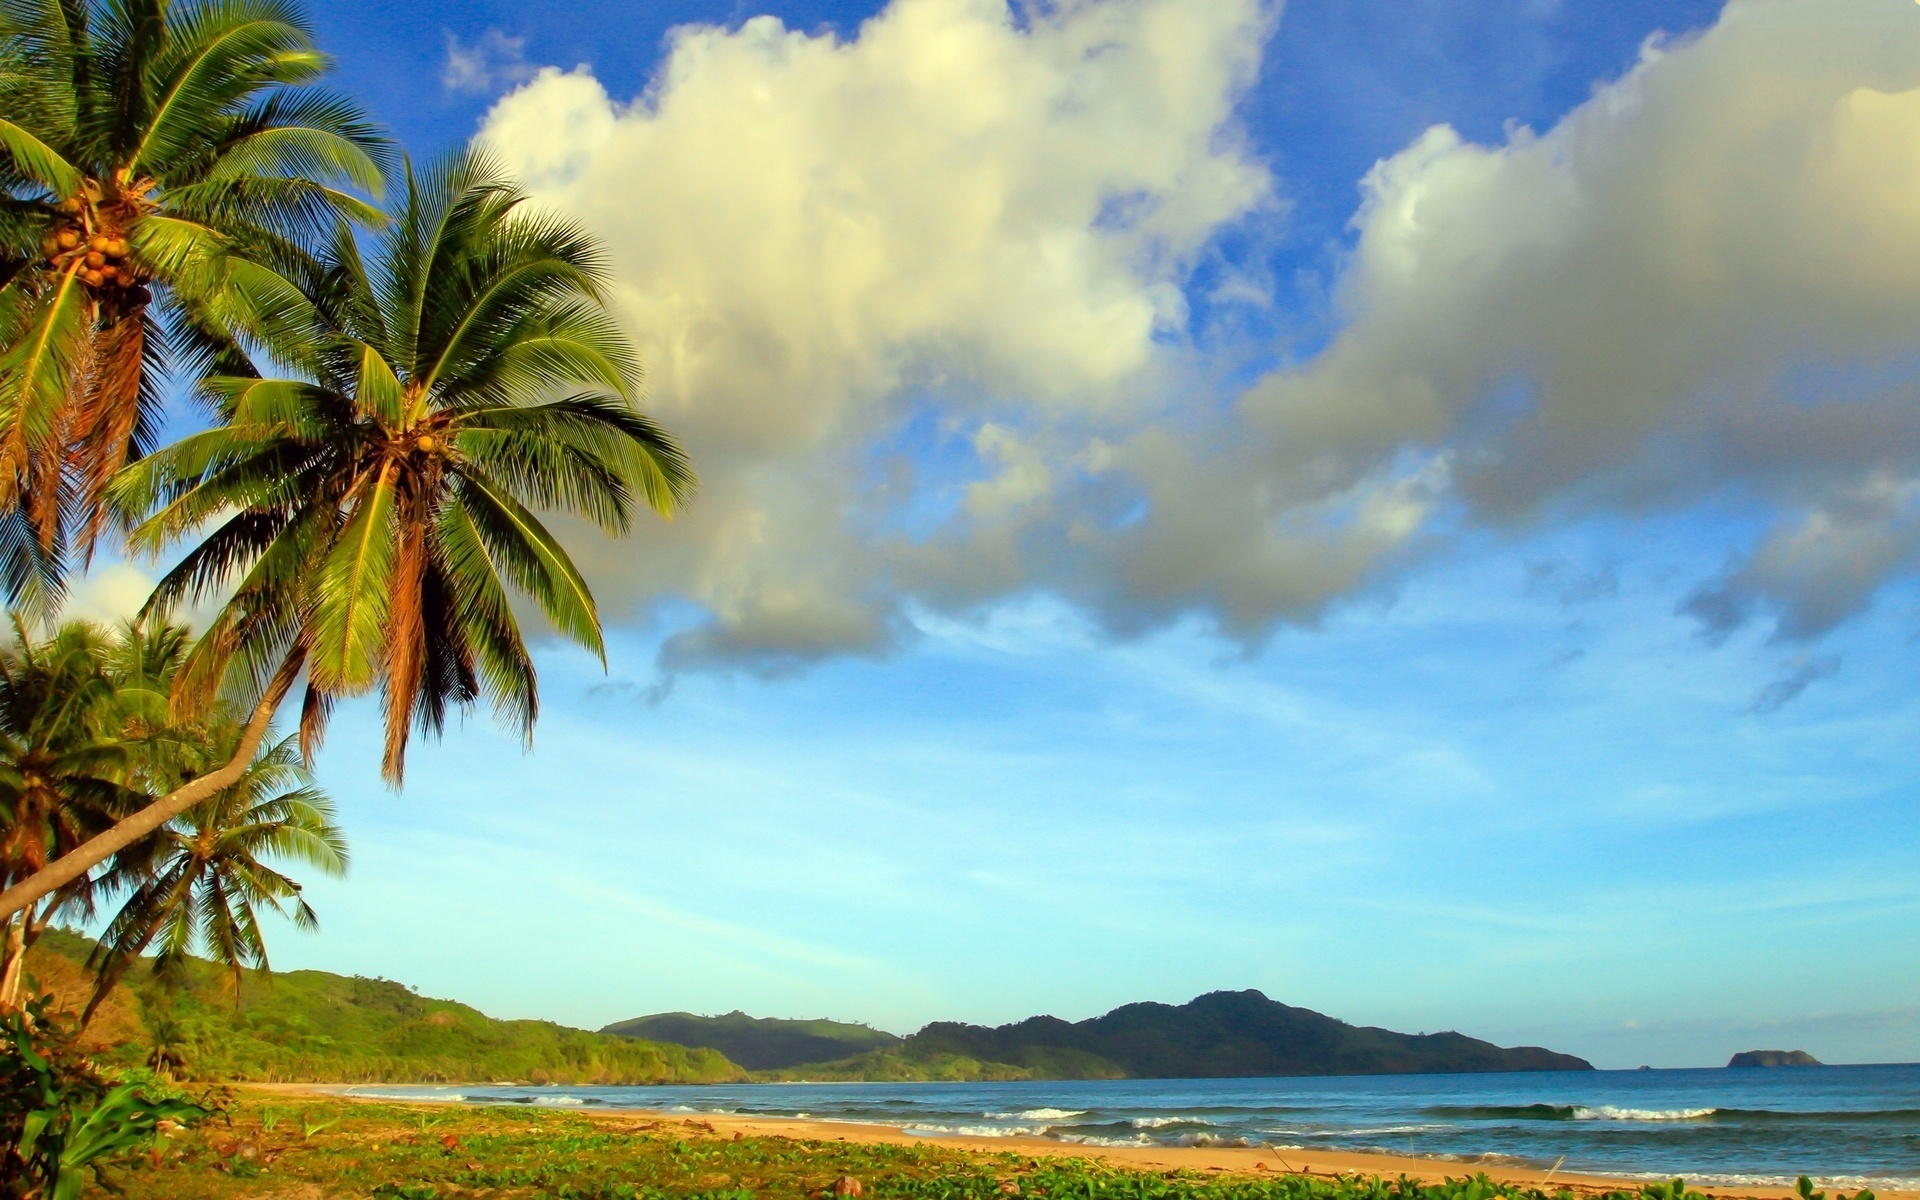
x=1845, y=1126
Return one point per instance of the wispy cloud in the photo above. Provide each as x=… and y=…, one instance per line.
x=1798, y=677
x=492, y=62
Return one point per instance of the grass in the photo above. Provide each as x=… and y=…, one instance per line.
x=313, y=1149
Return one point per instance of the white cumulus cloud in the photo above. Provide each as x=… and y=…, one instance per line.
x=914, y=298
x=958, y=211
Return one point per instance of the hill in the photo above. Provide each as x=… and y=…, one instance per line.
x=317, y=1027
x=1774, y=1058
x=1220, y=1034
x=758, y=1043
x=1234, y=1034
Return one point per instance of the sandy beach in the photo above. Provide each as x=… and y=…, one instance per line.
x=1245, y=1160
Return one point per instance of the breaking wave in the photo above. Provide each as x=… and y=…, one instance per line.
x=1037, y=1114
x=1607, y=1112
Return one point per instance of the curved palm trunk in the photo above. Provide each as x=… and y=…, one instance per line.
x=90, y=854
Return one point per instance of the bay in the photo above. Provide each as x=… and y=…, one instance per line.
x=1847, y=1127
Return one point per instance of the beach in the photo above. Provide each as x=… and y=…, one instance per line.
x=1225, y=1160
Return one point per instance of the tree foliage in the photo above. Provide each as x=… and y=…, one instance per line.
x=373, y=512
x=163, y=164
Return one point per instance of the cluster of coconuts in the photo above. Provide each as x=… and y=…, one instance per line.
x=102, y=257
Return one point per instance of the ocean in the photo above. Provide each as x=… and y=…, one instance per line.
x=1847, y=1127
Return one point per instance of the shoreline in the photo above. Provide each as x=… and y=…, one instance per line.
x=1232, y=1160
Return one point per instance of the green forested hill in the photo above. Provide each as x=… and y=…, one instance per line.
x=1227, y=1034
x=759, y=1043
x=1216, y=1035
x=317, y=1027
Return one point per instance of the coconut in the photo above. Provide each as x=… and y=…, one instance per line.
x=51, y=246
x=100, y=243
x=425, y=443
x=70, y=205
x=117, y=248
x=67, y=238
x=93, y=278
x=96, y=260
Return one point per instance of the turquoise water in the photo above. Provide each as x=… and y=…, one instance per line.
x=1845, y=1126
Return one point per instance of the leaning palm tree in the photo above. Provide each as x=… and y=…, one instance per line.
x=160, y=162
x=372, y=513
x=199, y=883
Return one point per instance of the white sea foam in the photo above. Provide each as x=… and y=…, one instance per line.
x=1157, y=1122
x=978, y=1130
x=558, y=1100
x=1209, y=1139
x=1606, y=1112
x=1088, y=1139
x=1037, y=1114
x=1885, y=1183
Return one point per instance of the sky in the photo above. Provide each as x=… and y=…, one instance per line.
x=1408, y=506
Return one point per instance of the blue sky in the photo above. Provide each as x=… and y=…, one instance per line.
x=1473, y=591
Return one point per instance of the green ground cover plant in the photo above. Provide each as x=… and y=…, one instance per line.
x=305, y=1148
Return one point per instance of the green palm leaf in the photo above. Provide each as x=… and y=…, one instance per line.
x=36, y=160
x=378, y=510
x=352, y=593
x=170, y=160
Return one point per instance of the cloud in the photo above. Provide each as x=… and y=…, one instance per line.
x=1820, y=567
x=1686, y=289
x=108, y=594
x=1798, y=677
x=492, y=62
x=825, y=244
x=915, y=299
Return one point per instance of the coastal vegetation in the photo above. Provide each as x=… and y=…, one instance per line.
x=393, y=402
x=277, y=1146
x=364, y=520
x=1218, y=1035
x=759, y=1043
x=162, y=166
x=318, y=1027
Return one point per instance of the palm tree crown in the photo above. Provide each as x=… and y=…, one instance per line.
x=372, y=511
x=199, y=883
x=160, y=161
x=66, y=768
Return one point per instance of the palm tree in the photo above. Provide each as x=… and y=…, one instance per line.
x=66, y=766
x=197, y=884
x=160, y=161
x=382, y=501
x=372, y=512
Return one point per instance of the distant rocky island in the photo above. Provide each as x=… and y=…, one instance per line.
x=1774, y=1058
x=1218, y=1035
